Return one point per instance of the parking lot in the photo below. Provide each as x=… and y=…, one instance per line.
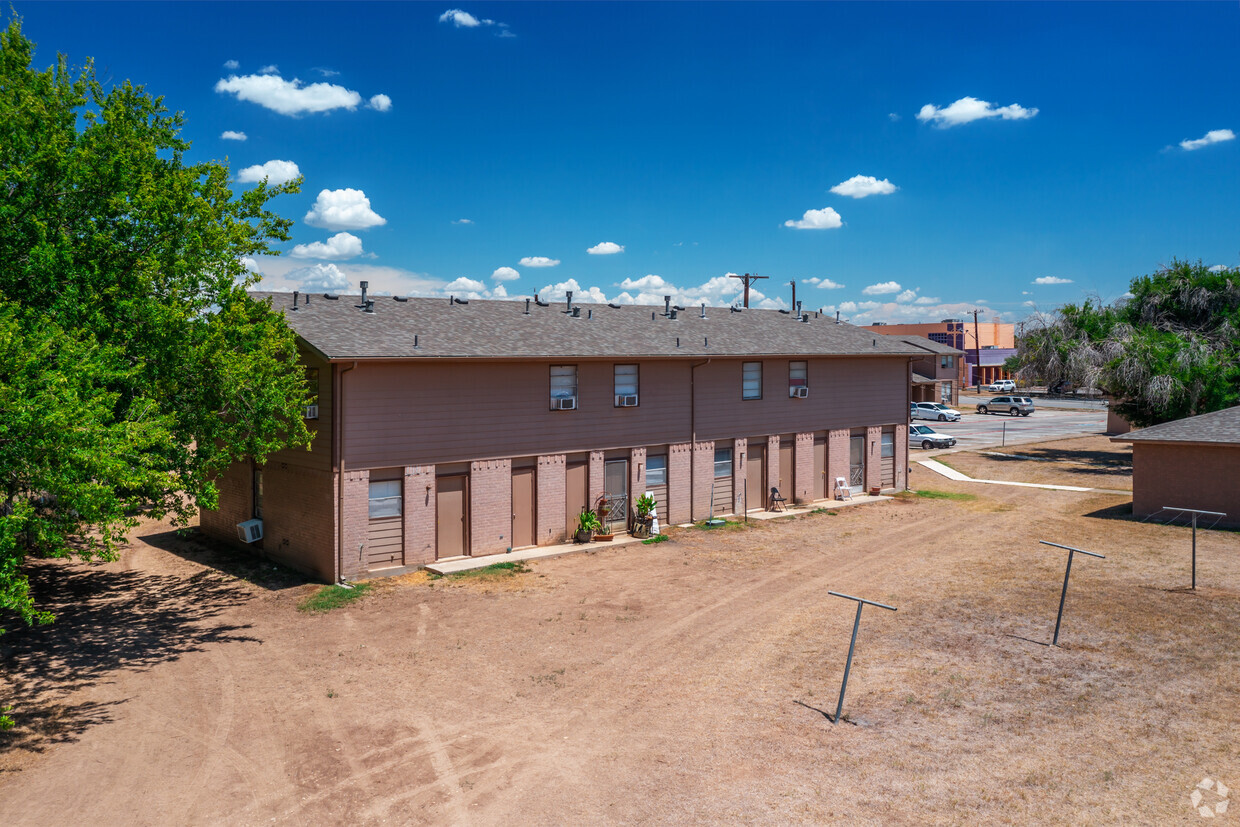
x=975, y=430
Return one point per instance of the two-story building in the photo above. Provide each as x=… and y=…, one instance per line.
x=446, y=428
x=935, y=374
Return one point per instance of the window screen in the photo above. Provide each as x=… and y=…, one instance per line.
x=656, y=470
x=626, y=380
x=889, y=444
x=563, y=382
x=751, y=380
x=385, y=499
x=798, y=374
x=723, y=462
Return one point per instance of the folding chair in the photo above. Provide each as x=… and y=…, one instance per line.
x=777, y=501
x=842, y=491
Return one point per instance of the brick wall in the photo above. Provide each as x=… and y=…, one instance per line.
x=490, y=506
x=873, y=457
x=804, y=453
x=597, y=479
x=550, y=487
x=739, y=449
x=235, y=487
x=299, y=524
x=678, y=483
x=356, y=519
x=419, y=515
x=901, y=457
x=837, y=458
x=703, y=475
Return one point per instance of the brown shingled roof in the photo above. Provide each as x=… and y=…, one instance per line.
x=338, y=329
x=1219, y=427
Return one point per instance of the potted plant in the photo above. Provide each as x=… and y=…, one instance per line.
x=644, y=508
x=602, y=509
x=587, y=524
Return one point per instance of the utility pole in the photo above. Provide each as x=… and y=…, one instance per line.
x=747, y=279
x=794, y=296
x=977, y=358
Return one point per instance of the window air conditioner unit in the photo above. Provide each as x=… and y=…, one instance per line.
x=799, y=393
x=311, y=412
x=569, y=404
x=626, y=400
x=250, y=531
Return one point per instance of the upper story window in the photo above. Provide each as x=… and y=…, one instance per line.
x=751, y=380
x=656, y=469
x=563, y=387
x=312, y=392
x=723, y=462
x=256, y=482
x=798, y=379
x=947, y=362
x=385, y=499
x=624, y=380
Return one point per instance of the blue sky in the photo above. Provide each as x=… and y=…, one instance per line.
x=1007, y=155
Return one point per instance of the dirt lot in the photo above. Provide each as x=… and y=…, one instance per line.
x=1090, y=462
x=684, y=682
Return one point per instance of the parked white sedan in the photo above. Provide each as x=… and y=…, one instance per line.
x=927, y=437
x=934, y=410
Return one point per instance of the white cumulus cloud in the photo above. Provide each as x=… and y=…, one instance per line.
x=326, y=278
x=860, y=186
x=380, y=103
x=337, y=248
x=824, y=219
x=289, y=97
x=1051, y=280
x=906, y=296
x=232, y=135
x=505, y=274
x=460, y=19
x=465, y=285
x=1219, y=268
x=1214, y=136
x=463, y=221
x=823, y=284
x=270, y=69
x=274, y=172
x=538, y=261
x=606, y=248
x=346, y=209
x=970, y=109
x=232, y=65
x=881, y=288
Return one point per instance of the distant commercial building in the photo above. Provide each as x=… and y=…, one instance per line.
x=986, y=345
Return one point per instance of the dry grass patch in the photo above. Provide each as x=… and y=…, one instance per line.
x=1090, y=462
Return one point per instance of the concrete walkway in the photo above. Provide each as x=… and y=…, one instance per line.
x=953, y=474
x=540, y=552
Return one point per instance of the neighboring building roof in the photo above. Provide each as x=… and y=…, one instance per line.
x=922, y=379
x=1220, y=427
x=929, y=344
x=338, y=329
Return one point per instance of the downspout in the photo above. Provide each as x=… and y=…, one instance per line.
x=908, y=403
x=693, y=432
x=338, y=462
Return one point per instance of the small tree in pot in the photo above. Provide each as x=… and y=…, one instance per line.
x=644, y=508
x=587, y=524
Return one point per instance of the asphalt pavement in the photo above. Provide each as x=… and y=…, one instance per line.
x=976, y=430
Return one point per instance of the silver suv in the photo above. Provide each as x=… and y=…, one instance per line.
x=1011, y=405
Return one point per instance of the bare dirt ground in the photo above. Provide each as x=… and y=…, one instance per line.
x=1090, y=462
x=684, y=682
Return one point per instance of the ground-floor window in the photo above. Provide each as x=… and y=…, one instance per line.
x=385, y=499
x=656, y=470
x=723, y=462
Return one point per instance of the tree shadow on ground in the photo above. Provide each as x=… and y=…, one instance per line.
x=1106, y=463
x=244, y=564
x=106, y=621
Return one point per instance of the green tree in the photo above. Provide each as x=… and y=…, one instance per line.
x=1170, y=350
x=133, y=366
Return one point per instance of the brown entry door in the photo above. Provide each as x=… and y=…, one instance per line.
x=820, y=467
x=787, y=469
x=522, y=507
x=755, y=476
x=452, y=516
x=576, y=493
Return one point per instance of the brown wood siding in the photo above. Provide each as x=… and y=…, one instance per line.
x=384, y=543
x=404, y=413
x=319, y=457
x=721, y=503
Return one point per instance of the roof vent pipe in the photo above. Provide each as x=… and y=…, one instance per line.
x=677, y=341
x=365, y=284
x=703, y=310
x=294, y=299
x=805, y=318
x=370, y=306
x=568, y=300
x=415, y=340
x=652, y=315
x=527, y=307
x=837, y=317
x=794, y=293
x=667, y=305
x=451, y=300
x=576, y=312
x=590, y=314
x=798, y=308
x=674, y=312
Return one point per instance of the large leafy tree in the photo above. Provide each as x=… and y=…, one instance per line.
x=1170, y=350
x=133, y=367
